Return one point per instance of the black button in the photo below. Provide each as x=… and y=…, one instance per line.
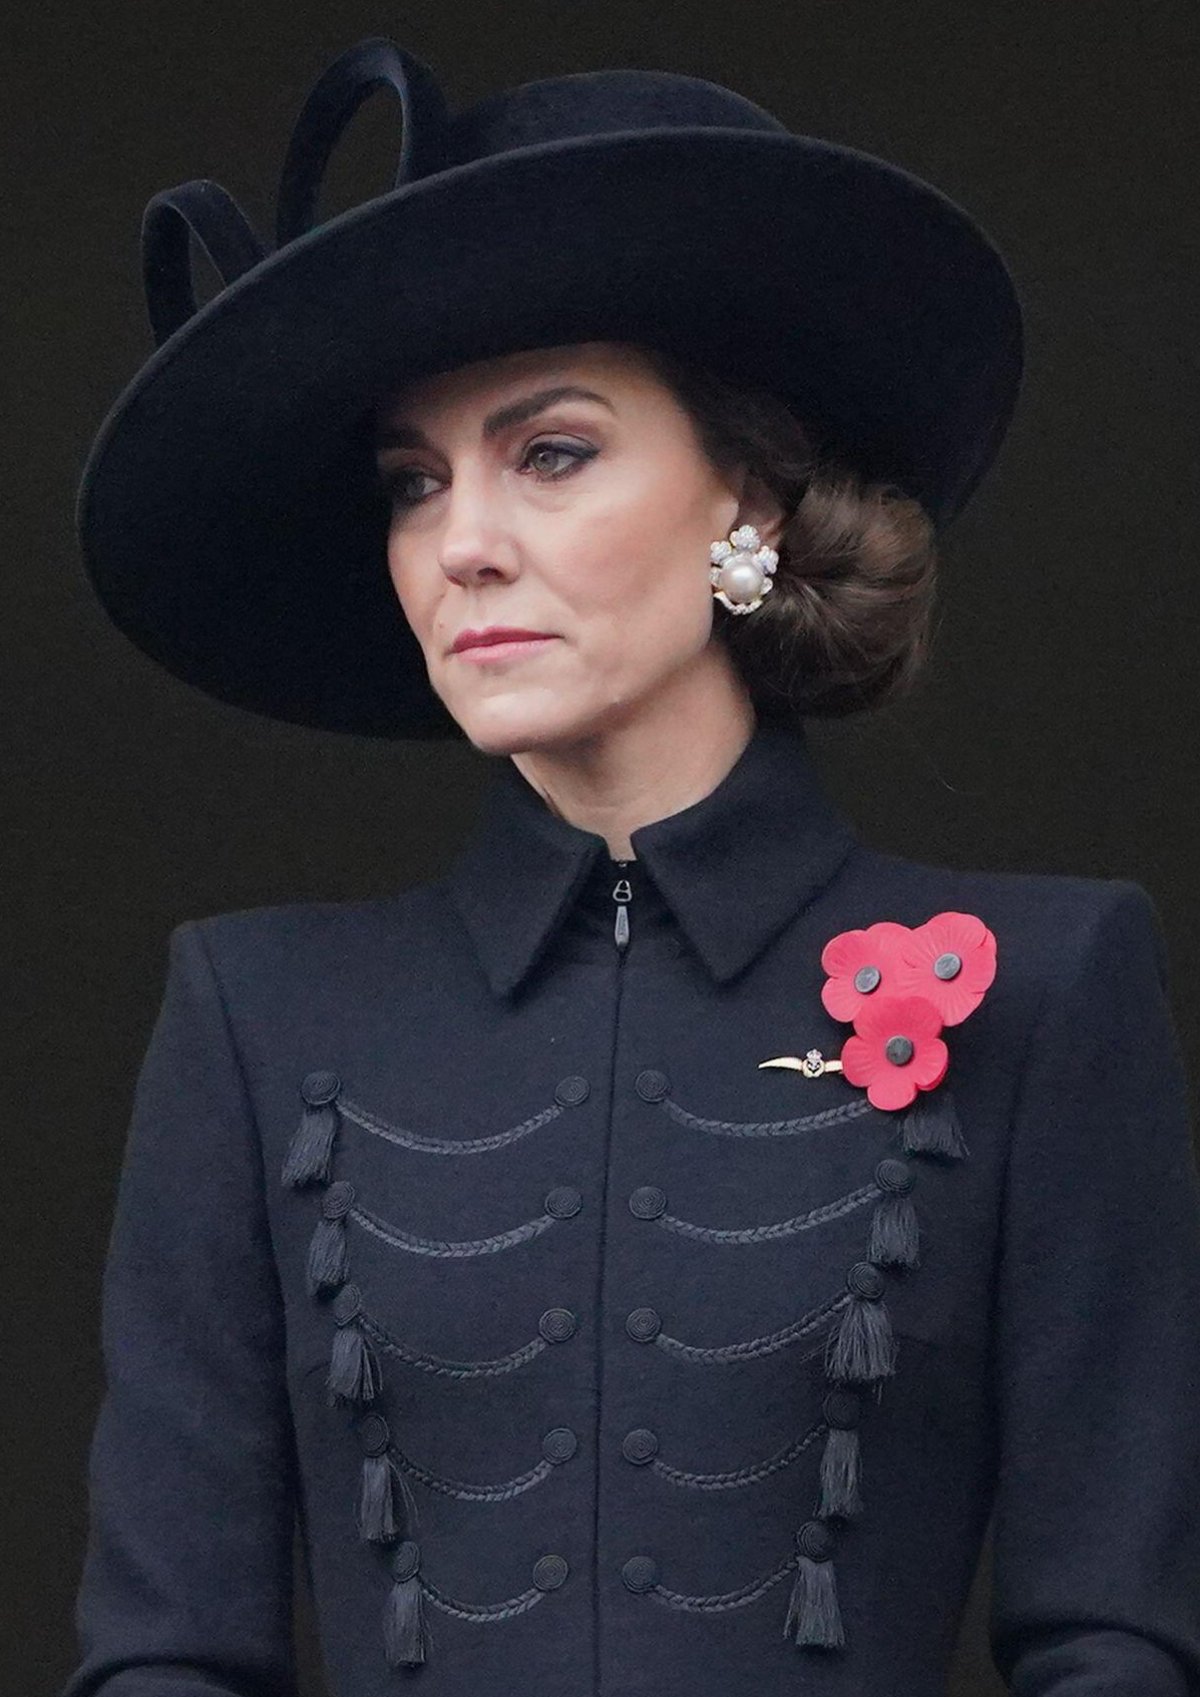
x=899, y=1050
x=318, y=1088
x=639, y=1446
x=557, y=1324
x=842, y=1408
x=894, y=1174
x=338, y=1199
x=651, y=1085
x=563, y=1201
x=406, y=1559
x=867, y=978
x=865, y=1279
x=640, y=1573
x=948, y=965
x=374, y=1434
x=347, y=1304
x=815, y=1539
x=647, y=1202
x=559, y=1444
x=549, y=1572
x=643, y=1324
x=571, y=1091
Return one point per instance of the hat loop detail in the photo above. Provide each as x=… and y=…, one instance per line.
x=333, y=101
x=203, y=209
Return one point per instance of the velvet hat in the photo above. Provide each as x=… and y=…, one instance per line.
x=229, y=515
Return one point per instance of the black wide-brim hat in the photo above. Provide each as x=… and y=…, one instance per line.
x=229, y=514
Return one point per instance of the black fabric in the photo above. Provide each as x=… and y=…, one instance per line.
x=204, y=210
x=598, y=1253
x=734, y=866
x=228, y=513
x=338, y=93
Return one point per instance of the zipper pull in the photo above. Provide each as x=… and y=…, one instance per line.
x=622, y=895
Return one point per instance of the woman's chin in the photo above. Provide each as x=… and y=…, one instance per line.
x=514, y=724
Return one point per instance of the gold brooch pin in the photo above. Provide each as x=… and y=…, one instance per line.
x=812, y=1065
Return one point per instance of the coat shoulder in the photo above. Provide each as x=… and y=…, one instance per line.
x=1016, y=897
x=1046, y=924
x=308, y=938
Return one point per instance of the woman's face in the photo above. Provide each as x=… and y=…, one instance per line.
x=587, y=518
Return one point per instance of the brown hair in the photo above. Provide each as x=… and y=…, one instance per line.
x=847, y=623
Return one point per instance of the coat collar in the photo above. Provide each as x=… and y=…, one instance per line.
x=733, y=867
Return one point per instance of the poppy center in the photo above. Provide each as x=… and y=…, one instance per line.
x=899, y=1050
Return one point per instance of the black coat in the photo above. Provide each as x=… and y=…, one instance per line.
x=544, y=1350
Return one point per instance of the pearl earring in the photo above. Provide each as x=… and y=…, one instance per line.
x=741, y=570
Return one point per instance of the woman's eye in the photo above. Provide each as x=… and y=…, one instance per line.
x=574, y=454
x=395, y=482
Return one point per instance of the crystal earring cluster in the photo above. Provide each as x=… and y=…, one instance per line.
x=741, y=569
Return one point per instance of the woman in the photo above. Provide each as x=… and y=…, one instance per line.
x=611, y=1251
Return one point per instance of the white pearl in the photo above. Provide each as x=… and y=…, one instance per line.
x=742, y=577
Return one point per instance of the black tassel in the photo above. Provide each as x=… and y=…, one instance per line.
x=813, y=1616
x=378, y=1520
x=328, y=1262
x=840, y=1474
x=310, y=1154
x=327, y=1256
x=861, y=1347
x=895, y=1235
x=405, y=1633
x=353, y=1368
x=930, y=1126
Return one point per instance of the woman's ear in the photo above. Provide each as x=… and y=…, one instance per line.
x=762, y=509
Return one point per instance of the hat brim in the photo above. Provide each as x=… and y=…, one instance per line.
x=228, y=513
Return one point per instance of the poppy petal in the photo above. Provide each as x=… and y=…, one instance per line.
x=891, y=1016
x=892, y=1089
x=964, y=935
x=844, y=954
x=858, y=1061
x=961, y=932
x=840, y=999
x=928, y=1065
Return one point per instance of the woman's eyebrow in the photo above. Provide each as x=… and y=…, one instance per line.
x=515, y=412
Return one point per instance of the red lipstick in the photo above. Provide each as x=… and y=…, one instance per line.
x=492, y=635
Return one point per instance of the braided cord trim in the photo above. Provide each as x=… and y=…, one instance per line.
x=482, y=1611
x=467, y=1492
x=780, y=1228
x=769, y=1128
x=448, y=1368
x=456, y=1249
x=744, y=1594
x=749, y=1347
x=741, y=1475
x=445, y=1145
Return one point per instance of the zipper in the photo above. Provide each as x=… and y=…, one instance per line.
x=622, y=896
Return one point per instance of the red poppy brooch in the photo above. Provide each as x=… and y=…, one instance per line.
x=900, y=986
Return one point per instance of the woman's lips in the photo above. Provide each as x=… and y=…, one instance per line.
x=489, y=653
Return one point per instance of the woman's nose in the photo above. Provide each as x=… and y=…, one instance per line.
x=474, y=540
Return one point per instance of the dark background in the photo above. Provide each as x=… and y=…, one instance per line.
x=1054, y=733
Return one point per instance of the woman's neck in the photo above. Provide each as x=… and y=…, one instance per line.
x=638, y=773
